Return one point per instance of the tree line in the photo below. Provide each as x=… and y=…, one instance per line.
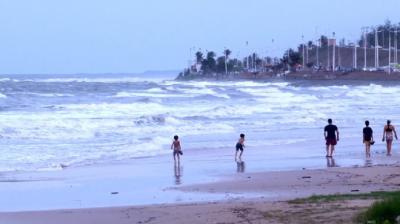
x=210, y=63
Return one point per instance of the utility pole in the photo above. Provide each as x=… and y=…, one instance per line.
x=302, y=38
x=389, y=52
x=395, y=46
x=339, y=59
x=365, y=48
x=318, y=46
x=329, y=57
x=333, y=53
x=247, y=57
x=376, y=49
x=355, y=56
x=254, y=62
x=307, y=53
x=226, y=65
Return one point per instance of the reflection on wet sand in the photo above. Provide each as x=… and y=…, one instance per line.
x=330, y=162
x=240, y=166
x=178, y=170
x=368, y=162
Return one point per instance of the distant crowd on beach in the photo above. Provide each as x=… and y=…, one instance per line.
x=331, y=134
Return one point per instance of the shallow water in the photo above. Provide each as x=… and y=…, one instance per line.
x=83, y=120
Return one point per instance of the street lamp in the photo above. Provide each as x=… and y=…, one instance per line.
x=365, y=30
x=318, y=46
x=389, y=50
x=247, y=57
x=333, y=53
x=395, y=46
x=226, y=65
x=302, y=40
x=355, y=55
x=376, y=47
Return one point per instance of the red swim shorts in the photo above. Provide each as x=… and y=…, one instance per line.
x=331, y=141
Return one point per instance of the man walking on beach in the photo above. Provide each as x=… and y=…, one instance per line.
x=331, y=134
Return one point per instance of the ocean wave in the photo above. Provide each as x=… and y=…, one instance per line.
x=5, y=79
x=125, y=94
x=2, y=96
x=49, y=94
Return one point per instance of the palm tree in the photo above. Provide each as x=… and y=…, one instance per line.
x=227, y=52
x=199, y=57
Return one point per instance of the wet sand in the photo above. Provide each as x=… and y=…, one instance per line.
x=283, y=185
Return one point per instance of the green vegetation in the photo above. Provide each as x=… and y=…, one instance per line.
x=383, y=35
x=341, y=197
x=385, y=210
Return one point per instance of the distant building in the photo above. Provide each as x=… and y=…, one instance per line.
x=331, y=42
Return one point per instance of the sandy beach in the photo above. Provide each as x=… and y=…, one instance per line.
x=259, y=208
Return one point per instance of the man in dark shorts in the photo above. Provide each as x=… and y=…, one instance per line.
x=331, y=134
x=368, y=139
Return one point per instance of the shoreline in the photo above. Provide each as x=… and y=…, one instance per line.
x=261, y=209
x=156, y=180
x=312, y=76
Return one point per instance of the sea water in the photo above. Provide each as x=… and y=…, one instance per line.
x=50, y=121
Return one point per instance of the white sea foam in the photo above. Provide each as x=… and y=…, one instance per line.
x=2, y=95
x=112, y=124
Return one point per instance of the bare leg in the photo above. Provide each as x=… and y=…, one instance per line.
x=389, y=148
x=236, y=155
x=367, y=150
x=332, y=149
x=327, y=150
x=240, y=155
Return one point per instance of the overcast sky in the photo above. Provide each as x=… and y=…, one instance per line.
x=96, y=36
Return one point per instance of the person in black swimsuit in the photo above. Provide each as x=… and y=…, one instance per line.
x=388, y=132
x=368, y=139
x=239, y=146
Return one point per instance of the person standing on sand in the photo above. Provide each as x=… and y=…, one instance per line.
x=176, y=146
x=368, y=139
x=388, y=132
x=331, y=134
x=239, y=146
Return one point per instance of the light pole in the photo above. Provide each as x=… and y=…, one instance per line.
x=329, y=56
x=339, y=59
x=389, y=51
x=318, y=46
x=307, y=53
x=365, y=47
x=355, y=56
x=226, y=65
x=254, y=61
x=395, y=46
x=333, y=53
x=376, y=49
x=247, y=57
x=302, y=40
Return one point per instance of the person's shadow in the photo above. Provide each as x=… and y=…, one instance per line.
x=178, y=173
x=240, y=166
x=330, y=162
